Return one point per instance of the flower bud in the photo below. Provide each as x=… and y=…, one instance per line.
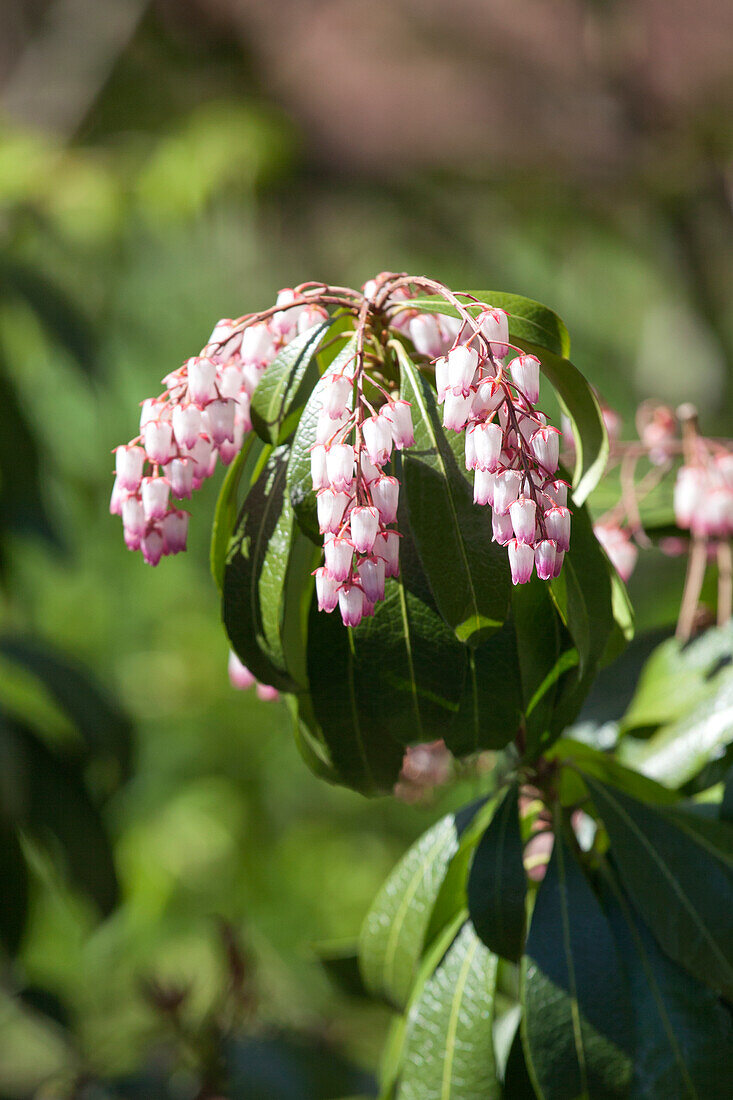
x=620, y=549
x=154, y=492
x=257, y=343
x=387, y=547
x=521, y=561
x=267, y=694
x=462, y=364
x=326, y=590
x=239, y=675
x=487, y=442
x=397, y=413
x=331, y=506
x=385, y=495
x=337, y=390
x=158, y=437
x=180, y=475
x=456, y=411
x=525, y=371
x=364, y=521
x=338, y=553
x=545, y=443
x=442, y=381
x=129, y=463
x=351, y=604
x=218, y=421
x=426, y=335
x=175, y=531
x=377, y=433
x=133, y=516
x=557, y=524
x=151, y=545
x=489, y=396
x=340, y=466
x=319, y=468
x=506, y=490
x=201, y=380
x=483, y=487
x=544, y=559
x=371, y=574
x=523, y=514
x=327, y=428
x=557, y=491
x=187, y=425
x=495, y=327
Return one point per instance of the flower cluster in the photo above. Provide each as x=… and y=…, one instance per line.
x=202, y=416
x=356, y=500
x=509, y=445
x=703, y=493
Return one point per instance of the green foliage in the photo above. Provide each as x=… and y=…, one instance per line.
x=497, y=883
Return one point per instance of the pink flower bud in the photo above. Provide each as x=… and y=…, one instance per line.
x=340, y=466
x=544, y=559
x=724, y=467
x=426, y=335
x=229, y=451
x=223, y=331
x=525, y=371
x=502, y=530
x=469, y=447
x=326, y=590
x=337, y=390
x=230, y=381
x=351, y=604
x=620, y=549
x=251, y=375
x=557, y=524
x=310, y=316
x=267, y=694
x=319, y=469
x=385, y=495
x=200, y=456
x=495, y=327
x=118, y=496
x=364, y=522
x=506, y=490
x=442, y=381
x=133, y=516
x=546, y=446
x=714, y=517
x=239, y=675
x=327, y=428
x=559, y=559
x=689, y=490
x=557, y=491
x=456, y=411
x=487, y=399
x=523, y=514
x=129, y=462
x=487, y=441
x=257, y=343
x=338, y=553
x=154, y=492
x=285, y=322
x=462, y=364
x=331, y=506
x=377, y=433
x=387, y=547
x=218, y=421
x=521, y=561
x=180, y=475
x=242, y=416
x=152, y=409
x=369, y=471
x=158, y=437
x=201, y=380
x=151, y=545
x=175, y=531
x=187, y=424
x=397, y=413
x=371, y=576
x=483, y=487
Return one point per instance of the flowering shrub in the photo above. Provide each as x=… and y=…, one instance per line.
x=393, y=549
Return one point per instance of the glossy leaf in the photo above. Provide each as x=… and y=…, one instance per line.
x=607, y=769
x=683, y=1036
x=284, y=387
x=394, y=930
x=300, y=485
x=253, y=599
x=517, y=1082
x=449, y=1049
x=497, y=883
x=468, y=573
x=684, y=893
x=543, y=648
x=577, y=1027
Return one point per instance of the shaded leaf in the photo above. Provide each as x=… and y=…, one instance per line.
x=227, y=505
x=497, y=883
x=684, y=893
x=577, y=1027
x=14, y=879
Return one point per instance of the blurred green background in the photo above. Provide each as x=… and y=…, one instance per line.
x=164, y=164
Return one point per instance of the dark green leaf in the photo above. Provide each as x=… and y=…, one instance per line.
x=468, y=573
x=497, y=882
x=490, y=711
x=283, y=389
x=577, y=1026
x=517, y=1082
x=449, y=1049
x=683, y=1035
x=365, y=756
x=254, y=596
x=541, y=655
x=607, y=769
x=684, y=894
x=104, y=726
x=14, y=880
x=394, y=931
x=227, y=505
x=300, y=485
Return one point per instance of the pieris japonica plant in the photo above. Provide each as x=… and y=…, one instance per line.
x=405, y=554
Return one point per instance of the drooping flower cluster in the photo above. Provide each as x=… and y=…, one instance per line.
x=201, y=417
x=703, y=493
x=509, y=445
x=357, y=501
